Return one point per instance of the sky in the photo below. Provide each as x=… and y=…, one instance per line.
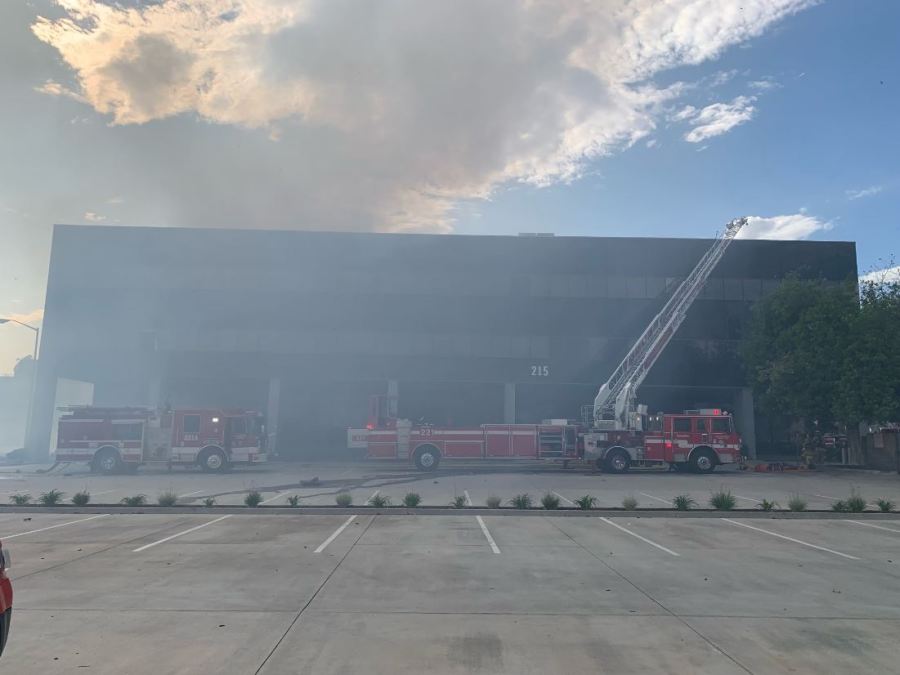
x=604, y=118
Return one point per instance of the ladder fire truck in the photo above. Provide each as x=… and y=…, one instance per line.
x=114, y=440
x=617, y=434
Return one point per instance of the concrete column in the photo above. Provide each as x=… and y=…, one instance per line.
x=154, y=391
x=509, y=403
x=393, y=397
x=273, y=406
x=745, y=419
x=40, y=423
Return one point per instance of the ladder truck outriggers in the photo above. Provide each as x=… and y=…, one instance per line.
x=617, y=434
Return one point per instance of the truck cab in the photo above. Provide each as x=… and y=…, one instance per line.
x=695, y=440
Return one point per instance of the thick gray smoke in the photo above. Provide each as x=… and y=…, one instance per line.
x=345, y=114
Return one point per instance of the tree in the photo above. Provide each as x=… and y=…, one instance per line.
x=870, y=378
x=796, y=346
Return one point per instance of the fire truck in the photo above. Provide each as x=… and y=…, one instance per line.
x=114, y=440
x=616, y=432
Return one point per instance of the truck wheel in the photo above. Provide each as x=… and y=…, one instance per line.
x=213, y=461
x=107, y=461
x=427, y=458
x=703, y=461
x=617, y=461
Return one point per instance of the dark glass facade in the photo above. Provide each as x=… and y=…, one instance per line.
x=305, y=326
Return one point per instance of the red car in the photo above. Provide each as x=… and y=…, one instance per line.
x=5, y=598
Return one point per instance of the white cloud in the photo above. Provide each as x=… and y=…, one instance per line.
x=92, y=217
x=793, y=226
x=389, y=113
x=765, y=84
x=717, y=119
x=865, y=192
x=888, y=274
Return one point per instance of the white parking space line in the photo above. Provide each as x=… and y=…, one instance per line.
x=188, y=494
x=487, y=535
x=637, y=536
x=468, y=498
x=51, y=527
x=567, y=501
x=104, y=492
x=786, y=538
x=374, y=494
x=334, y=535
x=179, y=534
x=271, y=499
x=749, y=499
x=877, y=527
x=659, y=499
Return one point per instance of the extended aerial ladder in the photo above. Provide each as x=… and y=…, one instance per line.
x=614, y=405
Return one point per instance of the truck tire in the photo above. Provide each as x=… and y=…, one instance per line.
x=427, y=458
x=617, y=461
x=107, y=461
x=703, y=460
x=213, y=461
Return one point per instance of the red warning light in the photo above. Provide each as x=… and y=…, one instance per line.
x=717, y=411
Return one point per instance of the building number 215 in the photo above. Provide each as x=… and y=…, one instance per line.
x=540, y=371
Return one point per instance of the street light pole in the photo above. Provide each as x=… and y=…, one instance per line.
x=34, y=356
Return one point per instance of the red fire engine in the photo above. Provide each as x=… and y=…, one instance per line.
x=618, y=433
x=120, y=439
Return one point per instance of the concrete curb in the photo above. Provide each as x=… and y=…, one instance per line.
x=443, y=511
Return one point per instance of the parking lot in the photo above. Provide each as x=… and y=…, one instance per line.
x=359, y=592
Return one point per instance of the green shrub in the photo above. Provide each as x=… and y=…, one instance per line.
x=134, y=500
x=294, y=500
x=343, y=499
x=522, y=501
x=493, y=502
x=459, y=502
x=167, y=499
x=840, y=506
x=411, y=499
x=209, y=501
x=885, y=505
x=20, y=499
x=856, y=503
x=766, y=505
x=683, y=502
x=550, y=501
x=796, y=503
x=81, y=498
x=380, y=501
x=629, y=503
x=253, y=498
x=722, y=500
x=586, y=502
x=51, y=498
